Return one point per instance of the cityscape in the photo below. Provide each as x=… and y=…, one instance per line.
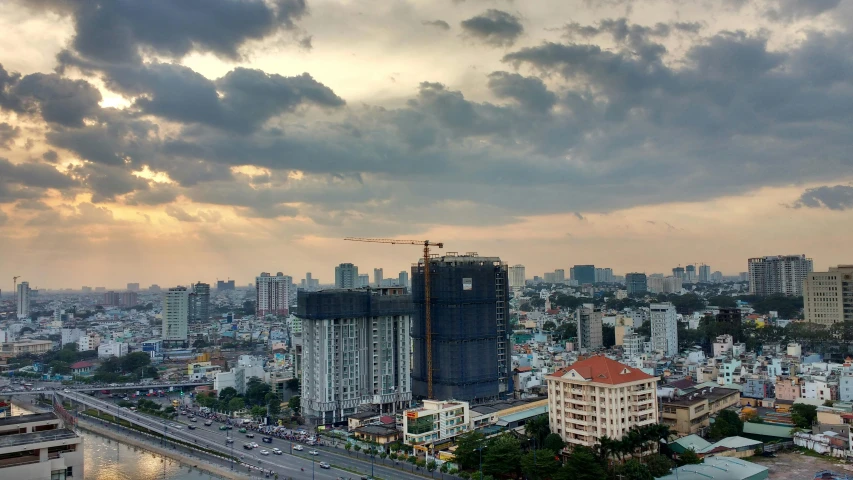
x=426, y=239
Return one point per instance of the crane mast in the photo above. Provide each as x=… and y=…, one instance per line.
x=427, y=297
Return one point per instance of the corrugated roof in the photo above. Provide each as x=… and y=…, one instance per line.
x=692, y=442
x=766, y=429
x=729, y=443
x=533, y=412
x=600, y=369
x=720, y=468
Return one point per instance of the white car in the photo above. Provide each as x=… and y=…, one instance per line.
x=277, y=451
x=314, y=452
x=254, y=445
x=325, y=465
x=265, y=452
x=298, y=448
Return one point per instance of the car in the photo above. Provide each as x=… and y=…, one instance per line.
x=277, y=451
x=223, y=427
x=242, y=430
x=193, y=419
x=250, y=435
x=314, y=452
x=298, y=448
x=66, y=390
x=247, y=446
x=229, y=440
x=191, y=427
x=325, y=465
x=266, y=439
x=264, y=452
x=254, y=445
x=208, y=423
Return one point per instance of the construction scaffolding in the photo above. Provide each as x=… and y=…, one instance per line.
x=470, y=325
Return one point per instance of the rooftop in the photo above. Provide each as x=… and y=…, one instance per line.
x=34, y=417
x=729, y=443
x=719, y=468
x=36, y=437
x=376, y=430
x=600, y=369
x=711, y=394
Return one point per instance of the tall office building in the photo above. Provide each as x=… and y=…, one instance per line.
x=23, y=300
x=346, y=276
x=704, y=273
x=132, y=287
x=690, y=274
x=664, y=322
x=588, y=319
x=828, y=296
x=584, y=274
x=560, y=275
x=403, y=279
x=516, y=276
x=199, y=307
x=222, y=285
x=176, y=305
x=377, y=277
x=363, y=281
x=550, y=277
x=636, y=283
x=309, y=283
x=356, y=350
x=274, y=295
x=779, y=274
x=470, y=328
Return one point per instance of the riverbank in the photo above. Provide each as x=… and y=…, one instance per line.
x=184, y=459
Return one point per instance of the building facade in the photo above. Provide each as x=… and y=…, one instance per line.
x=403, y=279
x=636, y=283
x=828, y=296
x=435, y=423
x=22, y=300
x=584, y=274
x=176, y=316
x=664, y=322
x=346, y=276
x=112, y=349
x=704, y=273
x=516, y=277
x=691, y=413
x=588, y=318
x=199, y=303
x=356, y=352
x=88, y=341
x=273, y=294
x=378, y=276
x=598, y=396
x=39, y=446
x=779, y=274
x=470, y=328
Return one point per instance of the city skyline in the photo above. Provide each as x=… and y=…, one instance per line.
x=549, y=133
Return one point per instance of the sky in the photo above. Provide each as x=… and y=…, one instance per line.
x=171, y=142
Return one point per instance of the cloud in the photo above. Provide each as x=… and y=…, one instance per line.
x=494, y=27
x=793, y=10
x=59, y=100
x=837, y=197
x=50, y=156
x=8, y=133
x=31, y=204
x=158, y=194
x=182, y=215
x=38, y=175
x=530, y=92
x=107, y=182
x=440, y=24
x=3, y=218
x=578, y=216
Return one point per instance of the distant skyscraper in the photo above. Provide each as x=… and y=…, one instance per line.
x=690, y=274
x=584, y=274
x=717, y=277
x=636, y=283
x=664, y=322
x=128, y=299
x=377, y=277
x=154, y=288
x=222, y=285
x=199, y=309
x=346, y=275
x=550, y=277
x=176, y=316
x=471, y=358
x=778, y=275
x=516, y=276
x=588, y=319
x=363, y=281
x=704, y=273
x=572, y=274
x=86, y=289
x=111, y=299
x=273, y=295
x=560, y=275
x=403, y=279
x=132, y=287
x=827, y=296
x=678, y=272
x=23, y=300
x=309, y=283
x=672, y=284
x=608, y=275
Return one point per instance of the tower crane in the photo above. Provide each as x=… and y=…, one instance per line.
x=427, y=299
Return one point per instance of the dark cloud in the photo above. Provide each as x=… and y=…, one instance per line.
x=7, y=99
x=838, y=197
x=31, y=204
x=37, y=175
x=158, y=194
x=3, y=218
x=59, y=100
x=578, y=216
x=530, y=92
x=440, y=24
x=107, y=182
x=792, y=10
x=494, y=27
x=180, y=214
x=120, y=31
x=306, y=42
x=50, y=156
x=8, y=134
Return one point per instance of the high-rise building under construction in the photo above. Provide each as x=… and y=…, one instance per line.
x=470, y=328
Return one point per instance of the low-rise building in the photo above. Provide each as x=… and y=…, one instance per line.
x=82, y=368
x=39, y=446
x=691, y=413
x=112, y=349
x=87, y=342
x=436, y=423
x=35, y=347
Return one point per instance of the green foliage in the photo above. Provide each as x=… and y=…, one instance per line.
x=236, y=403
x=565, y=331
x=227, y=394
x=467, y=450
x=581, y=465
x=568, y=302
x=788, y=307
x=658, y=465
x=634, y=470
x=540, y=464
x=549, y=326
x=133, y=362
x=502, y=454
x=256, y=391
x=608, y=335
x=537, y=428
x=295, y=403
x=553, y=442
x=722, y=301
x=689, y=457
x=293, y=385
x=258, y=411
x=645, y=329
x=803, y=415
x=726, y=424
x=200, y=344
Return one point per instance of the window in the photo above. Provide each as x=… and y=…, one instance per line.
x=58, y=475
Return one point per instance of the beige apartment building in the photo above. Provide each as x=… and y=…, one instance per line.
x=598, y=396
x=828, y=296
x=28, y=346
x=691, y=413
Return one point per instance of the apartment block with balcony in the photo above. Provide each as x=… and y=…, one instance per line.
x=435, y=423
x=39, y=446
x=599, y=396
x=691, y=413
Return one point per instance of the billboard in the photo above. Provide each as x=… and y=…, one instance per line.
x=467, y=284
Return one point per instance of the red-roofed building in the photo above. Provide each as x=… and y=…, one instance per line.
x=598, y=396
x=82, y=368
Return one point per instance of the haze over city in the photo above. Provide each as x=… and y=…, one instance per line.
x=175, y=147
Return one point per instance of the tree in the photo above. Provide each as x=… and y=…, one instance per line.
x=565, y=331
x=581, y=465
x=133, y=362
x=726, y=424
x=803, y=415
x=658, y=465
x=258, y=411
x=256, y=391
x=274, y=406
x=554, y=442
x=295, y=403
x=502, y=455
x=467, y=450
x=293, y=385
x=537, y=428
x=549, y=326
x=236, y=403
x=689, y=457
x=540, y=464
x=430, y=466
x=227, y=394
x=347, y=447
x=60, y=367
x=634, y=470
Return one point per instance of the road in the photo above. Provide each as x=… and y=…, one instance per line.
x=297, y=465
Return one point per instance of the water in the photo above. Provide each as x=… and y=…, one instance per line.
x=108, y=459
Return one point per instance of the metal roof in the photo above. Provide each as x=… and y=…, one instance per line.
x=730, y=443
x=720, y=468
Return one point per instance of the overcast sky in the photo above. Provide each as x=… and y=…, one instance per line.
x=167, y=142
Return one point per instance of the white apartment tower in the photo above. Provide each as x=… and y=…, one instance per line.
x=23, y=300
x=516, y=276
x=176, y=305
x=825, y=295
x=664, y=322
x=356, y=351
x=598, y=396
x=273, y=294
x=588, y=318
x=378, y=276
x=779, y=274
